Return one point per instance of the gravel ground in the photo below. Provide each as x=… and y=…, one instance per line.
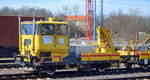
x=11, y=71
x=72, y=75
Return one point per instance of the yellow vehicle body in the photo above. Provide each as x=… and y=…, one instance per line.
x=146, y=53
x=127, y=52
x=105, y=50
x=131, y=54
x=44, y=46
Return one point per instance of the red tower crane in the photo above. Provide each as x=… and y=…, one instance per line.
x=89, y=20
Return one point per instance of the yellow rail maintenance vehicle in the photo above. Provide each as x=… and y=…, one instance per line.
x=42, y=45
x=128, y=54
x=131, y=55
x=144, y=54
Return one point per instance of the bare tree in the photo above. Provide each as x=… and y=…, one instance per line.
x=75, y=10
x=66, y=10
x=122, y=25
x=134, y=12
x=7, y=11
x=26, y=11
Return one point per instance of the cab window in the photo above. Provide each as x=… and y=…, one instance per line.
x=27, y=29
x=61, y=29
x=48, y=29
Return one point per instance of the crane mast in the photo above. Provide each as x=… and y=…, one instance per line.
x=89, y=20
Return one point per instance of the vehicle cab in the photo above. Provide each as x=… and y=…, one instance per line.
x=43, y=41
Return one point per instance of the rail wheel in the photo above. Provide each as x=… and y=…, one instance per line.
x=84, y=67
x=80, y=68
x=50, y=71
x=100, y=69
x=144, y=66
x=128, y=65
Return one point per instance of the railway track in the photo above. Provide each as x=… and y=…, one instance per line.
x=7, y=60
x=109, y=74
x=8, y=65
x=7, y=72
x=18, y=76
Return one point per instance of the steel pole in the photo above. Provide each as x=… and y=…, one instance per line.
x=94, y=32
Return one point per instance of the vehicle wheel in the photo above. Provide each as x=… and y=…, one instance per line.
x=100, y=69
x=50, y=71
x=80, y=68
x=128, y=65
x=25, y=68
x=144, y=66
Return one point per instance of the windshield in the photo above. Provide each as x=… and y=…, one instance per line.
x=61, y=29
x=48, y=29
x=28, y=29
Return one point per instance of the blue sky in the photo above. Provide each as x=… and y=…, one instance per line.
x=56, y=5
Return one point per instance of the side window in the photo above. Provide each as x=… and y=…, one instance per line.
x=61, y=29
x=48, y=29
x=27, y=29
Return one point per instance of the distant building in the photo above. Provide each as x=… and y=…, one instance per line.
x=78, y=20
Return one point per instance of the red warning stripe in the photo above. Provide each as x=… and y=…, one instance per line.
x=56, y=56
x=100, y=55
x=144, y=54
